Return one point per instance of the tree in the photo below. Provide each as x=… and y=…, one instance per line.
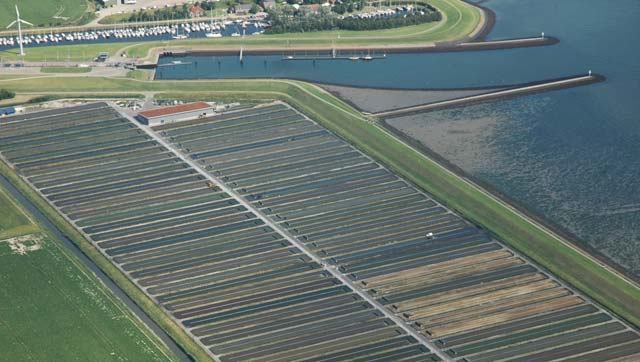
x=6, y=94
x=287, y=20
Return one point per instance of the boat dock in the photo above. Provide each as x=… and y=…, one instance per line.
x=173, y=64
x=336, y=57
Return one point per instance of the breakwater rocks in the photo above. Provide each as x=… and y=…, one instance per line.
x=516, y=91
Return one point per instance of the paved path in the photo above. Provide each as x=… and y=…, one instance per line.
x=31, y=72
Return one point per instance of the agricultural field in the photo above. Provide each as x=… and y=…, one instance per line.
x=547, y=249
x=466, y=291
x=54, y=310
x=238, y=287
x=46, y=12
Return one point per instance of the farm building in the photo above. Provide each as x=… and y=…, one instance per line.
x=183, y=112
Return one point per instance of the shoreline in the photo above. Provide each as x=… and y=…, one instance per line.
x=552, y=226
x=487, y=22
x=470, y=42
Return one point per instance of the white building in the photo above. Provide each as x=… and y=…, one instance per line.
x=183, y=112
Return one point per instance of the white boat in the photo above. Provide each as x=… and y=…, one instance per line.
x=235, y=34
x=179, y=35
x=211, y=30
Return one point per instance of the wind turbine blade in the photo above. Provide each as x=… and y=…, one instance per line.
x=25, y=22
x=12, y=24
x=17, y=11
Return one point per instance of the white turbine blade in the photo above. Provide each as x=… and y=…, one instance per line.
x=25, y=22
x=17, y=11
x=12, y=24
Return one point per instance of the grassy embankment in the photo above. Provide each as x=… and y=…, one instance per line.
x=64, y=70
x=54, y=309
x=459, y=20
x=45, y=13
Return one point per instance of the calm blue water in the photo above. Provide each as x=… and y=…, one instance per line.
x=437, y=70
x=571, y=155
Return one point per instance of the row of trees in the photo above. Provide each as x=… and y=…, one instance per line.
x=388, y=22
x=287, y=20
x=340, y=7
x=178, y=11
x=6, y=94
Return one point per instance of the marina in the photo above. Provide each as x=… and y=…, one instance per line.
x=203, y=29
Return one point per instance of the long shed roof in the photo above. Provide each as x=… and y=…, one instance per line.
x=174, y=110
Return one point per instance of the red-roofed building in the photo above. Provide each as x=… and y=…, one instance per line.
x=196, y=11
x=313, y=8
x=183, y=112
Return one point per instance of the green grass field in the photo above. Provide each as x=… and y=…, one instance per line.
x=459, y=20
x=13, y=221
x=46, y=12
x=53, y=309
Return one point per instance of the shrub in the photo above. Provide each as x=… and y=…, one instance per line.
x=6, y=94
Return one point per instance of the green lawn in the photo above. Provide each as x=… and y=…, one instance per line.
x=64, y=70
x=139, y=74
x=460, y=20
x=53, y=309
x=46, y=12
